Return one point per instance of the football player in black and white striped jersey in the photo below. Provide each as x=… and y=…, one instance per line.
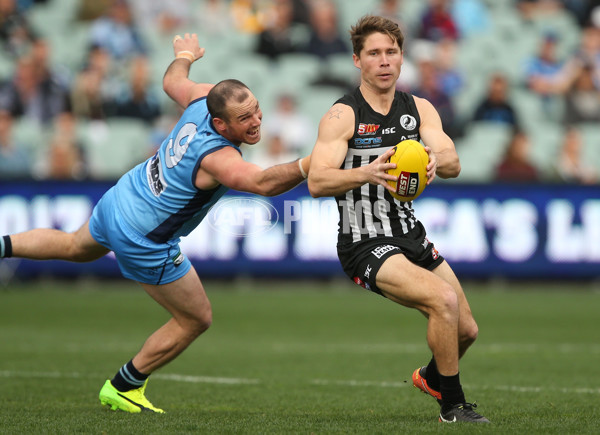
x=382, y=246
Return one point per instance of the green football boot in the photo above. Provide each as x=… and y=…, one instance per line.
x=128, y=401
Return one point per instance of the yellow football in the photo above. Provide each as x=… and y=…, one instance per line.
x=411, y=161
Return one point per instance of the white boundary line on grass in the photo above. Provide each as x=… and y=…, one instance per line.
x=513, y=388
x=324, y=382
x=169, y=377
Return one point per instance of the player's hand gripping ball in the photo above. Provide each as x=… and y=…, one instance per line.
x=411, y=161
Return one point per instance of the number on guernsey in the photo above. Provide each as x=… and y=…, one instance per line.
x=173, y=154
x=176, y=149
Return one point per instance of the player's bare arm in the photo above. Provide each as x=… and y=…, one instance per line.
x=227, y=167
x=325, y=177
x=176, y=83
x=443, y=159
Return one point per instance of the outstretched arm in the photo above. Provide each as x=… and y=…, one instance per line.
x=227, y=167
x=176, y=83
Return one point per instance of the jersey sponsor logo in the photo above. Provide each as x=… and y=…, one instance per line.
x=390, y=130
x=154, y=176
x=369, y=141
x=380, y=251
x=408, y=122
x=367, y=129
x=408, y=183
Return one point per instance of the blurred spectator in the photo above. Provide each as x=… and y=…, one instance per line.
x=325, y=38
x=582, y=99
x=273, y=152
x=549, y=77
x=288, y=124
x=546, y=74
x=34, y=91
x=164, y=16
x=592, y=13
x=429, y=88
x=15, y=32
x=249, y=16
x=588, y=52
x=15, y=162
x=89, y=10
x=532, y=9
x=495, y=106
x=516, y=166
x=277, y=38
x=437, y=22
x=570, y=166
x=64, y=159
x=449, y=76
x=580, y=9
x=89, y=100
x=46, y=71
x=138, y=100
x=471, y=17
x=117, y=33
x=301, y=14
x=392, y=10
x=24, y=5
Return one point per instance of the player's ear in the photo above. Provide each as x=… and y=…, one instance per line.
x=356, y=60
x=220, y=124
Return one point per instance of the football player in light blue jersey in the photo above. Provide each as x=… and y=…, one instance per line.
x=143, y=216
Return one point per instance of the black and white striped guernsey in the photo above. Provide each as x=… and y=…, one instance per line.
x=370, y=211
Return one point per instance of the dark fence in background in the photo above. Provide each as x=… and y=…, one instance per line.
x=484, y=231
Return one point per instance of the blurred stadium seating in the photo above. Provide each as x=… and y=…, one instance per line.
x=504, y=47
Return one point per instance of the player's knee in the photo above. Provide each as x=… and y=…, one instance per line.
x=469, y=334
x=201, y=322
x=446, y=301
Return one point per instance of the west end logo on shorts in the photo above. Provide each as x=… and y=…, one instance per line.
x=242, y=216
x=380, y=251
x=408, y=122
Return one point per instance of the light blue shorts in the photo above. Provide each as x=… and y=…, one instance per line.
x=139, y=258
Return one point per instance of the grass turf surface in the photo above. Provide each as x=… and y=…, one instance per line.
x=296, y=358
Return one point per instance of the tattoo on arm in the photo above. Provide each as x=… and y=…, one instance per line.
x=335, y=113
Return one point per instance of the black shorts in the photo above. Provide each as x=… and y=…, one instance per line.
x=362, y=260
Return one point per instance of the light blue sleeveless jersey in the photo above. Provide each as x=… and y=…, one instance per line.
x=158, y=197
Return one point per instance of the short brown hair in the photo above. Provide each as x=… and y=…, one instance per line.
x=374, y=24
x=221, y=93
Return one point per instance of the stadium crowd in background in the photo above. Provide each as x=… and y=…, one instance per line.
x=114, y=75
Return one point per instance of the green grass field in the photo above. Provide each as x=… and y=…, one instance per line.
x=299, y=357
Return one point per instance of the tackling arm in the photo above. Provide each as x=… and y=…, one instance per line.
x=227, y=167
